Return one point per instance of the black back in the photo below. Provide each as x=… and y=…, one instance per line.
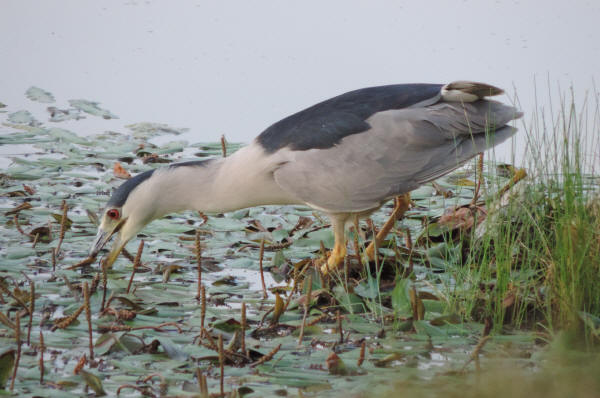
x=326, y=123
x=119, y=197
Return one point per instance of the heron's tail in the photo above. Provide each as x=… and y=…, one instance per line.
x=465, y=91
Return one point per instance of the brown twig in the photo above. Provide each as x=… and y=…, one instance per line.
x=409, y=245
x=517, y=176
x=339, y=323
x=80, y=364
x=63, y=223
x=6, y=320
x=162, y=385
x=144, y=390
x=356, y=245
x=266, y=358
x=199, y=265
x=18, y=226
x=260, y=263
x=123, y=328
x=202, y=306
x=88, y=316
x=221, y=365
x=479, y=178
x=53, y=259
x=49, y=231
x=306, y=306
x=224, y=150
x=317, y=320
x=41, y=362
x=65, y=322
x=202, y=384
x=211, y=343
x=7, y=291
x=361, y=357
x=18, y=342
x=31, y=310
x=72, y=289
x=35, y=240
x=262, y=320
x=103, y=267
x=243, y=322
x=127, y=255
x=136, y=264
x=475, y=354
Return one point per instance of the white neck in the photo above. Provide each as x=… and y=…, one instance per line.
x=244, y=179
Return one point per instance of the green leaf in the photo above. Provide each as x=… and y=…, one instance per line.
x=349, y=301
x=39, y=95
x=366, y=290
x=93, y=382
x=401, y=298
x=7, y=361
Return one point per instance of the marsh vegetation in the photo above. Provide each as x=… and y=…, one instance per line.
x=493, y=267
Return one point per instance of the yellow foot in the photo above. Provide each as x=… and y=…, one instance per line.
x=335, y=260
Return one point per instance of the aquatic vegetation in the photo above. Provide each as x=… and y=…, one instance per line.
x=488, y=266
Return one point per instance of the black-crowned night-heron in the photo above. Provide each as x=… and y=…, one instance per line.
x=345, y=157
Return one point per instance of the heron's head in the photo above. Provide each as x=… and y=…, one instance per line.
x=129, y=209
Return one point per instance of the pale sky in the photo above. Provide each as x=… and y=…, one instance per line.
x=236, y=67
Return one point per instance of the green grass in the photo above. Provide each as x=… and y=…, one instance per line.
x=535, y=261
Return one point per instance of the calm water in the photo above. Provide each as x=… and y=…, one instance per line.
x=234, y=69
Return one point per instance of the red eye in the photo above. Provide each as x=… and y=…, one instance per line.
x=113, y=213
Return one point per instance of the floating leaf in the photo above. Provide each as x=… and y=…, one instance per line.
x=443, y=320
x=335, y=365
x=23, y=117
x=7, y=362
x=39, y=95
x=169, y=269
x=388, y=360
x=92, y=108
x=230, y=325
x=147, y=130
x=172, y=350
x=42, y=233
x=58, y=218
x=228, y=280
x=60, y=115
x=94, y=382
x=464, y=182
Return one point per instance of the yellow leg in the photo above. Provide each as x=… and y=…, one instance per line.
x=402, y=203
x=336, y=258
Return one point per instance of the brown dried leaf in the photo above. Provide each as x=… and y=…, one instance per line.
x=28, y=189
x=22, y=206
x=120, y=172
x=335, y=365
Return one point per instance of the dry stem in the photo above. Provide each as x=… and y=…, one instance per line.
x=260, y=262
x=63, y=222
x=136, y=264
x=88, y=316
x=18, y=342
x=41, y=362
x=243, y=322
x=266, y=358
x=31, y=310
x=199, y=264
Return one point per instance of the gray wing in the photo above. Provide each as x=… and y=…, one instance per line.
x=402, y=149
